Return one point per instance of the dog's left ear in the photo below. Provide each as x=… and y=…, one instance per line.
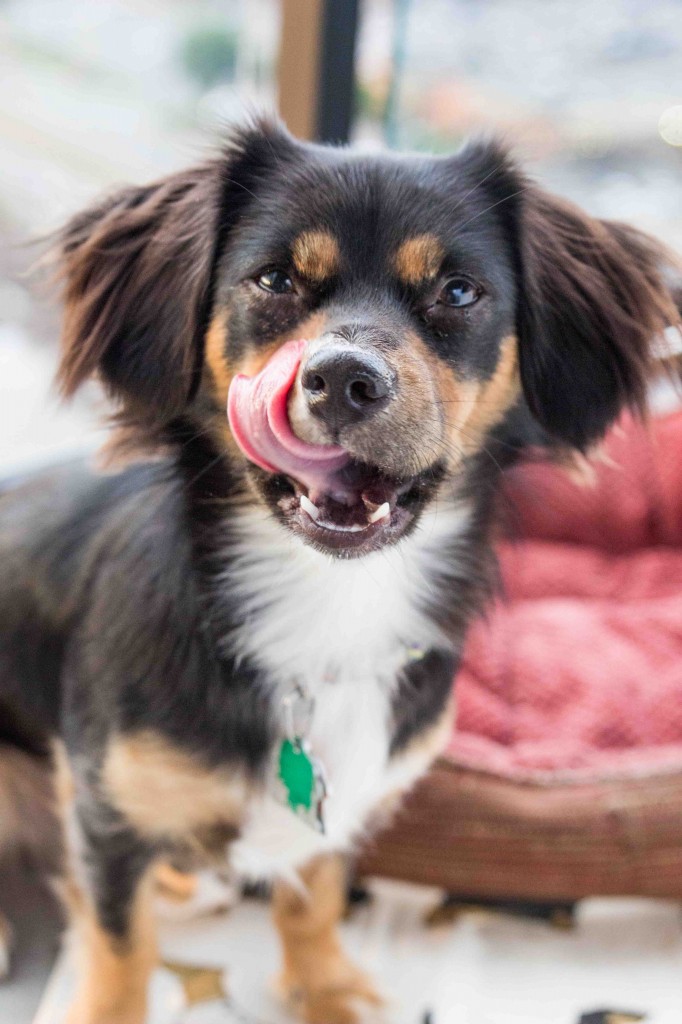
x=593, y=302
x=138, y=271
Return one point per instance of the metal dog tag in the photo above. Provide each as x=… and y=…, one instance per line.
x=300, y=775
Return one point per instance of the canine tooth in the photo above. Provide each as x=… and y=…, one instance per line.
x=307, y=506
x=379, y=513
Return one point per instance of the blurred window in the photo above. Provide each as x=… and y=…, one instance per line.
x=577, y=87
x=116, y=90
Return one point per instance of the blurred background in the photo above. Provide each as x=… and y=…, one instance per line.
x=95, y=94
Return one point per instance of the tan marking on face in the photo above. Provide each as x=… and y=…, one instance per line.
x=216, y=338
x=316, y=255
x=471, y=408
x=255, y=358
x=483, y=404
x=165, y=791
x=113, y=975
x=418, y=259
x=416, y=411
x=317, y=978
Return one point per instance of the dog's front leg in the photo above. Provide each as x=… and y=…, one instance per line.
x=319, y=982
x=109, y=892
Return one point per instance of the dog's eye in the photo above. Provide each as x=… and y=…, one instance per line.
x=459, y=292
x=275, y=281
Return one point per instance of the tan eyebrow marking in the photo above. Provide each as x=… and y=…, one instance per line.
x=418, y=259
x=316, y=255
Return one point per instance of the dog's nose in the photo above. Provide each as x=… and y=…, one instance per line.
x=343, y=385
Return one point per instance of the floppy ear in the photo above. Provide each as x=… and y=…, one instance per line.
x=593, y=302
x=137, y=273
x=138, y=276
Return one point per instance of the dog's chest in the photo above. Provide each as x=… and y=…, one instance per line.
x=342, y=630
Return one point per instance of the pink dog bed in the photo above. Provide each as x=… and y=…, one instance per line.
x=564, y=775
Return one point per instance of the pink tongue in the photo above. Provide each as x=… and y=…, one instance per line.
x=257, y=412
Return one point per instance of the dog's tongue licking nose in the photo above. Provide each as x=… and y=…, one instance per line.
x=257, y=411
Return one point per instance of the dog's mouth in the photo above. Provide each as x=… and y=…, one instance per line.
x=331, y=499
x=366, y=511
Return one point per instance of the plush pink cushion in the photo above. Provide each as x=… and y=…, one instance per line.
x=577, y=670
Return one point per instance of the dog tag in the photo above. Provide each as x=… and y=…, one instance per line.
x=300, y=776
x=302, y=780
x=297, y=773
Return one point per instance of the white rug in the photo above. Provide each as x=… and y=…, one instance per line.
x=484, y=968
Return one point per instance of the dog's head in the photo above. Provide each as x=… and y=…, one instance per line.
x=388, y=312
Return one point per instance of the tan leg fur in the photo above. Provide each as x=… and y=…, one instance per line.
x=113, y=976
x=320, y=983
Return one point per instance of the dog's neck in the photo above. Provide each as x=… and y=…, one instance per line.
x=297, y=613
x=306, y=616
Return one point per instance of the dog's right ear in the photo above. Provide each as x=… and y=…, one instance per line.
x=138, y=274
x=594, y=302
x=594, y=298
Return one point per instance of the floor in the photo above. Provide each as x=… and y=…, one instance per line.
x=36, y=923
x=477, y=967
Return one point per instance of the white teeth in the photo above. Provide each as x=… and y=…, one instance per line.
x=373, y=517
x=379, y=513
x=355, y=528
x=307, y=506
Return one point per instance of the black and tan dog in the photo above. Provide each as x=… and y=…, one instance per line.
x=258, y=651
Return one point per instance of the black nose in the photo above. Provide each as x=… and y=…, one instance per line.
x=343, y=385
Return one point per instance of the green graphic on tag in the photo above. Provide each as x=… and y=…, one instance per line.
x=298, y=775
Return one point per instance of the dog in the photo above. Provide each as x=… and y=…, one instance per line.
x=246, y=637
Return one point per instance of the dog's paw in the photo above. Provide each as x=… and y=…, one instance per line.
x=86, y=1012
x=5, y=947
x=344, y=995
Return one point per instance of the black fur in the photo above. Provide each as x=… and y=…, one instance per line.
x=420, y=697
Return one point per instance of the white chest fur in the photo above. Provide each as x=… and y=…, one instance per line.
x=341, y=628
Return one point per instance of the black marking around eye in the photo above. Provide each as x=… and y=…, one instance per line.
x=260, y=319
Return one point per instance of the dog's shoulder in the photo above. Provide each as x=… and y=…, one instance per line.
x=52, y=520
x=60, y=529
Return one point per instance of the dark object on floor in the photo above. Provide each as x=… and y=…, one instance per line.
x=611, y=1017
x=357, y=894
x=559, y=915
x=259, y=890
x=356, y=898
